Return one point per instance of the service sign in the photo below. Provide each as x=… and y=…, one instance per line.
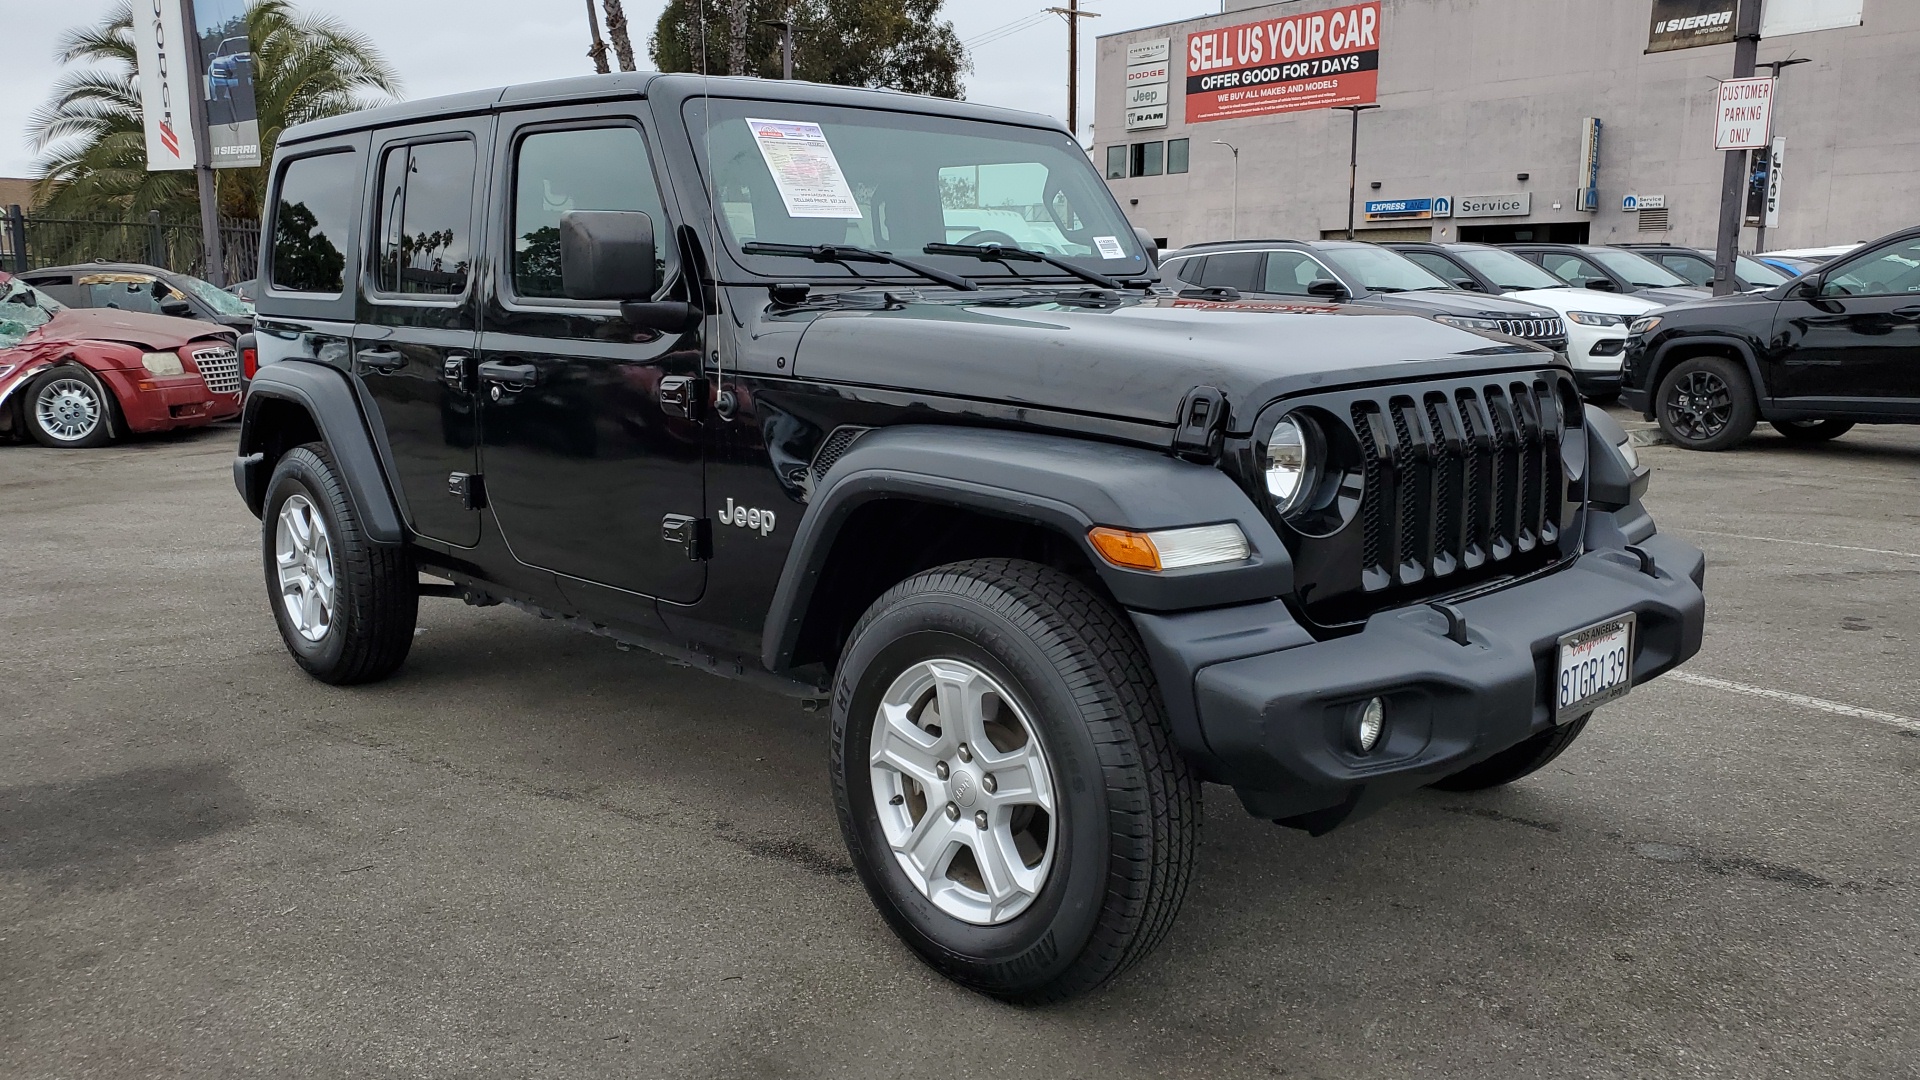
x=1689, y=24
x=1312, y=61
x=1519, y=204
x=1157, y=51
x=1743, y=114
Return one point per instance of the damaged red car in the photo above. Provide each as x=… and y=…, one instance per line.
x=79, y=378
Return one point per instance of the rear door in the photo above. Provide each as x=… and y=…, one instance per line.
x=586, y=459
x=1859, y=337
x=415, y=339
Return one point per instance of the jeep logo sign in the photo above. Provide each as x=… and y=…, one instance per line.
x=741, y=517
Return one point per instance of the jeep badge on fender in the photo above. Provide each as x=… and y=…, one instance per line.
x=1062, y=545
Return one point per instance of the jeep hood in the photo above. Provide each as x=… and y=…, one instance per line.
x=1137, y=359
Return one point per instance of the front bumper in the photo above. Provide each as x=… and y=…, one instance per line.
x=1273, y=725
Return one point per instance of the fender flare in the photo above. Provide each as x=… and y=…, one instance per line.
x=1062, y=484
x=1658, y=369
x=323, y=393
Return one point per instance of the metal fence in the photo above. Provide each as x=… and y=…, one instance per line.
x=30, y=240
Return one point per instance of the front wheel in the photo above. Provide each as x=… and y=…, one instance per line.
x=67, y=408
x=345, y=606
x=1707, y=403
x=1005, y=780
x=1812, y=431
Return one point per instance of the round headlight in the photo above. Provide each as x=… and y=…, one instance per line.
x=1293, y=463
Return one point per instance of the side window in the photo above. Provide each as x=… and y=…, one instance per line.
x=1149, y=158
x=1695, y=271
x=1442, y=267
x=1570, y=268
x=1233, y=270
x=1290, y=272
x=1188, y=270
x=426, y=213
x=129, y=294
x=1117, y=162
x=317, y=200
x=1891, y=271
x=580, y=169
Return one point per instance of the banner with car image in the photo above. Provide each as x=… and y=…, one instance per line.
x=1314, y=61
x=226, y=69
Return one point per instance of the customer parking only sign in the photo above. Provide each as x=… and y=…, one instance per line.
x=1312, y=61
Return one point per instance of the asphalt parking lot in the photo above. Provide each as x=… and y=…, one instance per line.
x=532, y=854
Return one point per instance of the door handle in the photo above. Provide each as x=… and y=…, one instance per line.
x=517, y=376
x=381, y=360
x=1911, y=314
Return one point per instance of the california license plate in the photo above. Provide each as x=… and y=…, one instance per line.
x=1595, y=666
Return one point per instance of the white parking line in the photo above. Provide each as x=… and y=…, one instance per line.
x=1804, y=543
x=1802, y=700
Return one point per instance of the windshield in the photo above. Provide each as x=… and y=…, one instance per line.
x=220, y=300
x=22, y=310
x=1637, y=269
x=896, y=182
x=1507, y=270
x=1759, y=274
x=1381, y=270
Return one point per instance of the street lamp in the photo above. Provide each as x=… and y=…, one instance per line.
x=1234, y=225
x=785, y=26
x=1353, y=160
x=1760, y=231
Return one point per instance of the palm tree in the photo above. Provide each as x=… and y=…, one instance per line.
x=90, y=136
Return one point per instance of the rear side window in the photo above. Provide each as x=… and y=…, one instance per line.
x=1571, y=268
x=1235, y=270
x=583, y=169
x=1188, y=270
x=315, y=206
x=426, y=208
x=1443, y=269
x=1694, y=271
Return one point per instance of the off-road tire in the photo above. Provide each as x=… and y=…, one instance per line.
x=377, y=594
x=104, y=426
x=1811, y=431
x=1130, y=809
x=1742, y=414
x=1517, y=761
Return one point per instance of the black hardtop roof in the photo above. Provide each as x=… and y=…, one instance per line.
x=674, y=87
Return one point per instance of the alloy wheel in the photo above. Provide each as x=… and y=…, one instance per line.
x=963, y=790
x=304, y=553
x=68, y=409
x=1699, y=405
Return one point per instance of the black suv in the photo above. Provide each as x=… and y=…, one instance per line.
x=696, y=364
x=1365, y=276
x=1836, y=347
x=1610, y=269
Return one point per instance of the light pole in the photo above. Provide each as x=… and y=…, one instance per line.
x=1353, y=161
x=1760, y=231
x=1234, y=223
x=785, y=26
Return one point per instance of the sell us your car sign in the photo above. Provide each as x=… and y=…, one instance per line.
x=1317, y=60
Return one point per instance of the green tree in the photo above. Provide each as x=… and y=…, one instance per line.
x=900, y=44
x=90, y=136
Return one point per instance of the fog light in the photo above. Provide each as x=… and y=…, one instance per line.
x=1368, y=726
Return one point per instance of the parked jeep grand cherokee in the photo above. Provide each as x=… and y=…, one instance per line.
x=699, y=365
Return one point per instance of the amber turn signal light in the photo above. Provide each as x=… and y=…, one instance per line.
x=1127, y=550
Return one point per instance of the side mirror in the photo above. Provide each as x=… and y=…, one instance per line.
x=1330, y=289
x=179, y=309
x=607, y=255
x=1146, y=244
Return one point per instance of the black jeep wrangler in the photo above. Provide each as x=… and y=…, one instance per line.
x=876, y=399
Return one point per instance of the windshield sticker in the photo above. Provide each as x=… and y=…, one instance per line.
x=804, y=169
x=1109, y=247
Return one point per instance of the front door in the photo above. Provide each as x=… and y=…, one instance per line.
x=584, y=464
x=414, y=344
x=1859, y=336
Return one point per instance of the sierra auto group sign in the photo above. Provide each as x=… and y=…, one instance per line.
x=1312, y=61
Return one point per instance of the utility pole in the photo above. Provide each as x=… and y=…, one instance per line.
x=599, y=50
x=1733, y=181
x=1760, y=233
x=1233, y=226
x=785, y=26
x=212, y=266
x=1353, y=161
x=1073, y=15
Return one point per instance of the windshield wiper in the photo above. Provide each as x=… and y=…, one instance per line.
x=844, y=254
x=1000, y=253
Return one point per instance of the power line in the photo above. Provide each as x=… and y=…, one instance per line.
x=1005, y=30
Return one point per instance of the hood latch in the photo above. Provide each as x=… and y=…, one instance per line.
x=1201, y=424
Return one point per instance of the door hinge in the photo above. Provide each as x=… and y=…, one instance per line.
x=1201, y=423
x=694, y=535
x=469, y=488
x=454, y=371
x=682, y=396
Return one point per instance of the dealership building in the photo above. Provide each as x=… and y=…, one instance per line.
x=1511, y=120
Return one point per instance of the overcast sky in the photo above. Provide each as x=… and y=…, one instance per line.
x=440, y=46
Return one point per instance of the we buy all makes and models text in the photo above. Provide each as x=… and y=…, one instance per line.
x=1313, y=61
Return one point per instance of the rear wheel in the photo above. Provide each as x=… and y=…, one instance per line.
x=1812, y=431
x=1707, y=403
x=345, y=605
x=68, y=409
x=1005, y=781
x=1515, y=762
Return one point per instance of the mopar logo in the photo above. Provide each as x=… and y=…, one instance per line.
x=745, y=518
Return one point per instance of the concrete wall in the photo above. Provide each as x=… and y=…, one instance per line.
x=1475, y=92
